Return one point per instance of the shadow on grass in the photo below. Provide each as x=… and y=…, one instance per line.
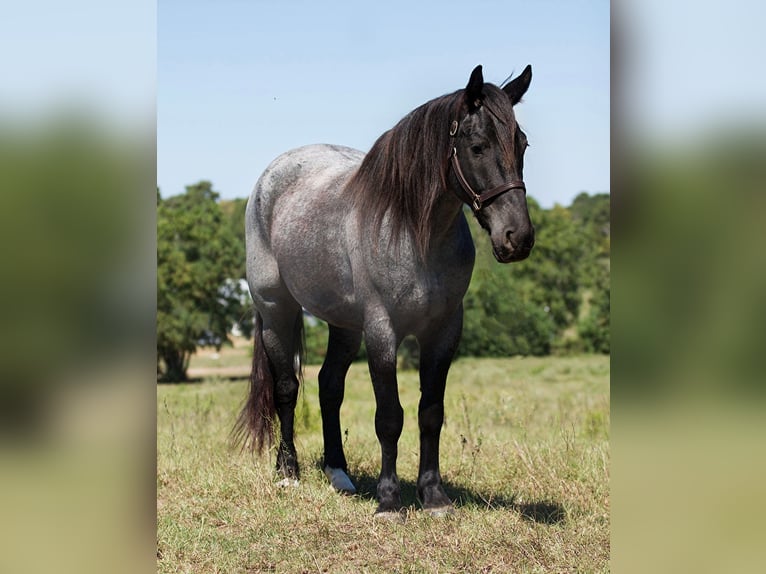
x=543, y=512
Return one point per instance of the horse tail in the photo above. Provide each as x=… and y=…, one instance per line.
x=254, y=428
x=255, y=425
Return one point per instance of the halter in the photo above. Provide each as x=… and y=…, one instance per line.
x=476, y=200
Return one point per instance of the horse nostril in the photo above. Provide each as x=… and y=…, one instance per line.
x=522, y=237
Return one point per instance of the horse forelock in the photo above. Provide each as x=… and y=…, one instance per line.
x=503, y=119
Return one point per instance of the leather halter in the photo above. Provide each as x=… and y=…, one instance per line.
x=476, y=200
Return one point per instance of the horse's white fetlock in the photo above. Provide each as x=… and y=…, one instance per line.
x=288, y=483
x=339, y=480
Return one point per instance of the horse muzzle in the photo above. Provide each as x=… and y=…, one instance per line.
x=514, y=244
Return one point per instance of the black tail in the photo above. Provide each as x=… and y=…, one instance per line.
x=255, y=425
x=254, y=428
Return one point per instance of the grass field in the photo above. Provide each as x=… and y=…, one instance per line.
x=525, y=457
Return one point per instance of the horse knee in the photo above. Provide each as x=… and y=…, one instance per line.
x=389, y=423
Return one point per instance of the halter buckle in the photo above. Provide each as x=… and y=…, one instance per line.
x=453, y=129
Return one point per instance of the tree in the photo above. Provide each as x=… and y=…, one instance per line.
x=553, y=271
x=499, y=321
x=591, y=213
x=199, y=263
x=593, y=329
x=234, y=216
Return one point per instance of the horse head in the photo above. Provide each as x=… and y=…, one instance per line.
x=487, y=159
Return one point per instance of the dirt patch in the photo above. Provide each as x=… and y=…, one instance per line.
x=228, y=372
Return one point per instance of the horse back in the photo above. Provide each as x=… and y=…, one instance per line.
x=299, y=179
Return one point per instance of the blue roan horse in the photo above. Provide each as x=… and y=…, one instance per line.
x=378, y=245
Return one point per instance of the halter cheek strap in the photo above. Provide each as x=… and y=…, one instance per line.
x=476, y=200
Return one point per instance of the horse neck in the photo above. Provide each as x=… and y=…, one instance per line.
x=446, y=218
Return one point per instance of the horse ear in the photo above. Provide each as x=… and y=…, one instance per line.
x=517, y=87
x=473, y=91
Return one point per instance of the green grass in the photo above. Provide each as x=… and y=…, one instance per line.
x=525, y=456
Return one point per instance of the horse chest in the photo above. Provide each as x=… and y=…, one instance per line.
x=416, y=294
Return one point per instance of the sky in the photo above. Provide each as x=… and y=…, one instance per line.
x=239, y=82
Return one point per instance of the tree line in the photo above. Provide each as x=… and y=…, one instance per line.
x=556, y=301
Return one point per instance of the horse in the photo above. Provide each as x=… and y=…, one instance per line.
x=378, y=246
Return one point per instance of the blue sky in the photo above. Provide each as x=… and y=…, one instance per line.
x=241, y=82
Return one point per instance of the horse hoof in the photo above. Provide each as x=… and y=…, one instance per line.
x=339, y=480
x=288, y=483
x=440, y=511
x=394, y=516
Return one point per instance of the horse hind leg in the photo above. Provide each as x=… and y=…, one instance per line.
x=274, y=386
x=282, y=341
x=342, y=349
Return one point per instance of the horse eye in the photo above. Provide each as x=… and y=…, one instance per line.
x=477, y=149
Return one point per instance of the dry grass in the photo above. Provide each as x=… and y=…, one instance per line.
x=525, y=455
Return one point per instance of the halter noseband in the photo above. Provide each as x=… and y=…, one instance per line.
x=476, y=200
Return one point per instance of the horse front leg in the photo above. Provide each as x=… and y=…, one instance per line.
x=389, y=416
x=437, y=348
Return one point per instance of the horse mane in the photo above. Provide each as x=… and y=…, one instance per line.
x=405, y=172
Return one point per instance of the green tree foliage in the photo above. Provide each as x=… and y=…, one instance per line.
x=315, y=335
x=593, y=211
x=500, y=322
x=199, y=264
x=591, y=214
x=552, y=272
x=593, y=328
x=234, y=216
